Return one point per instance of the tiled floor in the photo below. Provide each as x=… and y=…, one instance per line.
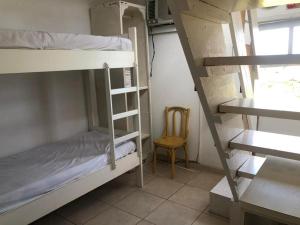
x=162, y=201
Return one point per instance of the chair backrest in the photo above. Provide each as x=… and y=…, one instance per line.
x=171, y=126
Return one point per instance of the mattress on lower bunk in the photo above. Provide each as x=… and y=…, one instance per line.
x=27, y=175
x=45, y=40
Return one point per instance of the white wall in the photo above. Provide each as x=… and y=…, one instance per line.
x=172, y=85
x=38, y=109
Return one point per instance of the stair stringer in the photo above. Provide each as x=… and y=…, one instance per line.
x=213, y=88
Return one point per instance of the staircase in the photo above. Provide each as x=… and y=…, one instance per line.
x=212, y=37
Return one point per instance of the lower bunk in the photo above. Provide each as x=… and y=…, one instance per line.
x=39, y=181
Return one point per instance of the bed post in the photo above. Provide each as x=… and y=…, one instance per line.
x=109, y=116
x=91, y=98
x=132, y=34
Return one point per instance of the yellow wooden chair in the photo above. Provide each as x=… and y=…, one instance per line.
x=171, y=141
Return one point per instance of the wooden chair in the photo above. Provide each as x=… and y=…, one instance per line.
x=171, y=141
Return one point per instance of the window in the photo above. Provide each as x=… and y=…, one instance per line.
x=280, y=81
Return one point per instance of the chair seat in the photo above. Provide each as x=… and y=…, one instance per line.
x=170, y=142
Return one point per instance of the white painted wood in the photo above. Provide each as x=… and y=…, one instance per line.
x=114, y=17
x=143, y=88
x=109, y=107
x=137, y=119
x=145, y=136
x=27, y=61
x=260, y=107
x=69, y=192
x=253, y=60
x=251, y=167
x=91, y=99
x=126, y=137
x=279, y=145
x=123, y=90
x=221, y=197
x=275, y=191
x=125, y=114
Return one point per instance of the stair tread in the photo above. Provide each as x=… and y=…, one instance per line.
x=222, y=187
x=252, y=60
x=277, y=182
x=251, y=167
x=267, y=108
x=280, y=145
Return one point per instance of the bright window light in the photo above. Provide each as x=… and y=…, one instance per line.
x=296, y=40
x=273, y=41
x=280, y=81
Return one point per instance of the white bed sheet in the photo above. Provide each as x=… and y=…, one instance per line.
x=28, y=175
x=45, y=40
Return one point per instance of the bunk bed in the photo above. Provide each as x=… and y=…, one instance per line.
x=39, y=181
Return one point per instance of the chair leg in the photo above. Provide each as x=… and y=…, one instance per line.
x=173, y=158
x=154, y=159
x=186, y=153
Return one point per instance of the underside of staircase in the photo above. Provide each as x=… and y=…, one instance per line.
x=212, y=36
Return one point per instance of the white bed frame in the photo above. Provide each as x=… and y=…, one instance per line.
x=26, y=61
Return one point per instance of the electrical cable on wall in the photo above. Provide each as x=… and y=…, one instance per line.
x=153, y=51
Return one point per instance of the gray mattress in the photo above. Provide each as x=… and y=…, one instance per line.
x=44, y=40
x=28, y=175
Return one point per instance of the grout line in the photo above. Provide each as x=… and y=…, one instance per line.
x=64, y=218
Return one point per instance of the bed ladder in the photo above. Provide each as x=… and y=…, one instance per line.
x=208, y=30
x=132, y=113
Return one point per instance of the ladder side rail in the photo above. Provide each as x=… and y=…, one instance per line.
x=137, y=120
x=110, y=116
x=208, y=114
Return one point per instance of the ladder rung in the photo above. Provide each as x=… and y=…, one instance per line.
x=123, y=90
x=251, y=167
x=277, y=109
x=126, y=137
x=279, y=145
x=125, y=114
x=253, y=60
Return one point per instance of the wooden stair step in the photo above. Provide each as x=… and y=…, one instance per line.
x=270, y=108
x=251, y=167
x=279, y=145
x=253, y=60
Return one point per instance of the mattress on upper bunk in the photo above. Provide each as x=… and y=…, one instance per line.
x=27, y=175
x=44, y=40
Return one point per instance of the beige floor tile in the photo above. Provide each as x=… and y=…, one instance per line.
x=127, y=178
x=114, y=216
x=139, y=203
x=162, y=187
x=170, y=213
x=206, y=219
x=183, y=175
x=82, y=209
x=113, y=192
x=51, y=219
x=192, y=197
x=145, y=222
x=205, y=180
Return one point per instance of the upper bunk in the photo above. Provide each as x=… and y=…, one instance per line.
x=36, y=51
